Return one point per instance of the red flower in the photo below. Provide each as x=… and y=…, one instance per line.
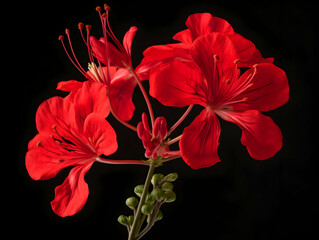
x=201, y=24
x=219, y=88
x=72, y=132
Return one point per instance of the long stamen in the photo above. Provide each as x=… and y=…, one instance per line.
x=109, y=161
x=67, y=31
x=180, y=120
x=61, y=37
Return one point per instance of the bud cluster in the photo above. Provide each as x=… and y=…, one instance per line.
x=162, y=192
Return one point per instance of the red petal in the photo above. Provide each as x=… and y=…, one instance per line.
x=199, y=141
x=54, y=111
x=178, y=85
x=71, y=196
x=184, y=36
x=203, y=52
x=69, y=86
x=204, y=23
x=128, y=39
x=270, y=88
x=91, y=98
x=248, y=53
x=161, y=54
x=100, y=134
x=43, y=164
x=121, y=93
x=260, y=134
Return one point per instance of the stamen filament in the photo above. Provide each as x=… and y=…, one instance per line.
x=67, y=53
x=147, y=100
x=180, y=120
x=67, y=31
x=109, y=161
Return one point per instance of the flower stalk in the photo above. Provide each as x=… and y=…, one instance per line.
x=137, y=218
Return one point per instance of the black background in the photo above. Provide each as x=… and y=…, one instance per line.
x=238, y=198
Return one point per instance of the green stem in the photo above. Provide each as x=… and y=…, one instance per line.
x=133, y=233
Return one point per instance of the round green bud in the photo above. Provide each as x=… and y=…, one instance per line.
x=146, y=209
x=122, y=220
x=158, y=194
x=159, y=215
x=171, y=177
x=138, y=190
x=131, y=202
x=170, y=196
x=157, y=178
x=167, y=186
x=130, y=219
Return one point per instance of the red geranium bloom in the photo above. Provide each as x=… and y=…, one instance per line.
x=222, y=91
x=201, y=24
x=72, y=132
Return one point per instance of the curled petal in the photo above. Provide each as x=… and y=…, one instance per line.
x=71, y=196
x=128, y=39
x=260, y=134
x=199, y=141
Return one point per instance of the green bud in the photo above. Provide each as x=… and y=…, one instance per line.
x=157, y=178
x=158, y=194
x=130, y=219
x=159, y=215
x=138, y=190
x=171, y=177
x=131, y=202
x=146, y=209
x=170, y=196
x=123, y=220
x=167, y=186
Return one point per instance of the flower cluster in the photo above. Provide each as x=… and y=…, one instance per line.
x=210, y=65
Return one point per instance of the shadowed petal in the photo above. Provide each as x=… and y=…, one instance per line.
x=199, y=141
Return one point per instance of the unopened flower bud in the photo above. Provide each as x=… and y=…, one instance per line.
x=167, y=186
x=158, y=194
x=131, y=202
x=159, y=215
x=122, y=220
x=130, y=219
x=171, y=177
x=157, y=178
x=146, y=209
x=138, y=190
x=170, y=196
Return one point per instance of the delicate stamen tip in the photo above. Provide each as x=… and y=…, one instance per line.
x=88, y=27
x=256, y=65
x=237, y=61
x=67, y=31
x=216, y=57
x=39, y=144
x=104, y=15
x=245, y=99
x=53, y=126
x=228, y=81
x=61, y=37
x=98, y=9
x=107, y=7
x=80, y=25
